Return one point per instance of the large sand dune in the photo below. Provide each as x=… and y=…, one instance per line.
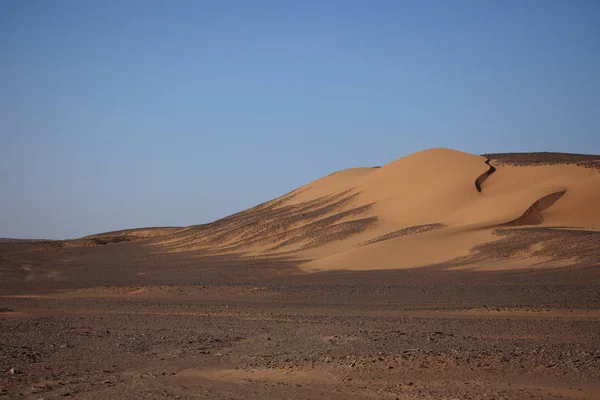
x=316, y=294
x=430, y=207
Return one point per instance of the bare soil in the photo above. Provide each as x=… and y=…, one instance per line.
x=131, y=321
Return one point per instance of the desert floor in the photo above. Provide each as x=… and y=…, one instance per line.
x=120, y=321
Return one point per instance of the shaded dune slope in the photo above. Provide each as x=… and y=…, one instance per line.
x=533, y=215
x=425, y=208
x=481, y=178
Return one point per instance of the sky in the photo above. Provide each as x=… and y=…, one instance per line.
x=123, y=113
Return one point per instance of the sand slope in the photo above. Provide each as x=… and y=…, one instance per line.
x=430, y=207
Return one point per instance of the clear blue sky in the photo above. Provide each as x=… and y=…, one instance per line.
x=118, y=114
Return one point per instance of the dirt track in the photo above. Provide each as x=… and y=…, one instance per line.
x=122, y=321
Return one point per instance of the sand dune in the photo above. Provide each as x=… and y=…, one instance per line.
x=258, y=304
x=430, y=207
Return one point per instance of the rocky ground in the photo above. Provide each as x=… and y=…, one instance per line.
x=120, y=322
